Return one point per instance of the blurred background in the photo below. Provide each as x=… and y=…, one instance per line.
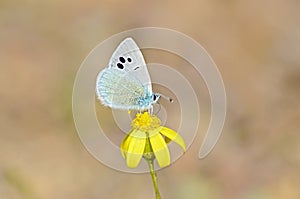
x=255, y=45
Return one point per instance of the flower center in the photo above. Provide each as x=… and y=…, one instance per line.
x=145, y=122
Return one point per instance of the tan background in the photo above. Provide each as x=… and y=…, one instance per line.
x=255, y=45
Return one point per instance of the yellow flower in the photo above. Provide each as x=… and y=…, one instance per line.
x=147, y=138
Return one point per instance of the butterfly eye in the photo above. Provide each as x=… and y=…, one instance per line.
x=129, y=59
x=122, y=59
x=154, y=97
x=120, y=66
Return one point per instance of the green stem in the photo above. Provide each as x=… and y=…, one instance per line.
x=149, y=157
x=154, y=178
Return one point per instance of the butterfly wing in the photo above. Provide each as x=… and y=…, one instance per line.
x=129, y=58
x=117, y=89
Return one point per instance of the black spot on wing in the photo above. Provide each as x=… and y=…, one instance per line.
x=120, y=66
x=122, y=59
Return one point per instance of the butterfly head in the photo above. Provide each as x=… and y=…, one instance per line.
x=155, y=98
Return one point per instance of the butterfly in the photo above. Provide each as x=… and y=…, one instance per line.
x=125, y=83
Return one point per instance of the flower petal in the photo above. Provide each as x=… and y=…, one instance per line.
x=172, y=135
x=154, y=131
x=136, y=147
x=160, y=150
x=125, y=143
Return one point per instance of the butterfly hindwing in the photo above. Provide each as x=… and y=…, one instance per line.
x=119, y=90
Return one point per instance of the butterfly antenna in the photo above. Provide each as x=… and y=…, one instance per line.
x=167, y=98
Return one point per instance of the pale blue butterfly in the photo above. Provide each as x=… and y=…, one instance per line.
x=125, y=83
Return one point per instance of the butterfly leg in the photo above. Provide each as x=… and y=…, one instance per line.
x=150, y=110
x=159, y=108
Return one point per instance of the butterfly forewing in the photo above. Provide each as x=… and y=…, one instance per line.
x=129, y=58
